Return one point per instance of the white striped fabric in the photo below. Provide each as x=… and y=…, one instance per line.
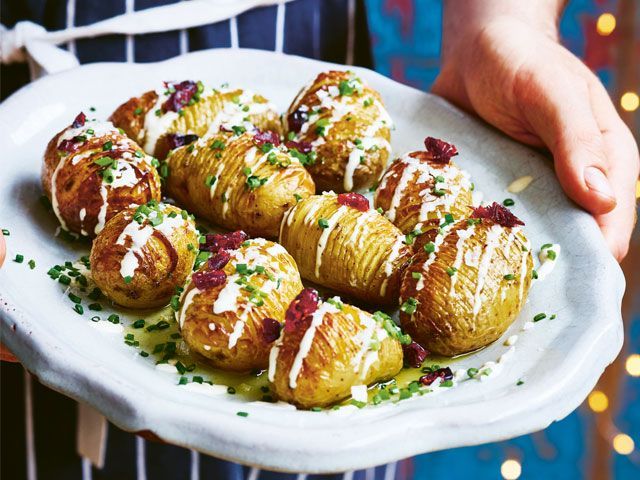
x=28, y=413
x=280, y=13
x=233, y=32
x=390, y=471
x=141, y=461
x=347, y=476
x=195, y=465
x=71, y=22
x=87, y=474
x=254, y=473
x=351, y=32
x=130, y=53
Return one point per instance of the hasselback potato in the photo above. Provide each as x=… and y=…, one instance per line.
x=177, y=113
x=143, y=254
x=348, y=127
x=91, y=171
x=423, y=185
x=328, y=347
x=231, y=310
x=340, y=243
x=468, y=283
x=242, y=182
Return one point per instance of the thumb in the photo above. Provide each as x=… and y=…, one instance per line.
x=558, y=109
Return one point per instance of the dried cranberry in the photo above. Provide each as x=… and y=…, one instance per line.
x=68, y=146
x=182, y=94
x=414, y=354
x=440, y=150
x=226, y=241
x=209, y=279
x=79, y=121
x=302, y=307
x=266, y=136
x=219, y=260
x=175, y=140
x=270, y=329
x=354, y=200
x=443, y=373
x=498, y=214
x=302, y=146
x=297, y=119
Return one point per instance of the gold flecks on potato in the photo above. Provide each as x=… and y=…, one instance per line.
x=143, y=254
x=91, y=172
x=465, y=285
x=232, y=316
x=358, y=253
x=238, y=182
x=348, y=127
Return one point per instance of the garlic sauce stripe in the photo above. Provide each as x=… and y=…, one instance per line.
x=463, y=235
x=493, y=237
x=156, y=125
x=388, y=264
x=324, y=237
x=186, y=302
x=307, y=341
x=523, y=270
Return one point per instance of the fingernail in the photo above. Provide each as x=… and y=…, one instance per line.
x=596, y=180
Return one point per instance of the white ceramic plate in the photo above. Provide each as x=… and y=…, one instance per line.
x=559, y=361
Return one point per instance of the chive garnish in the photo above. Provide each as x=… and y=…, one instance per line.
x=539, y=316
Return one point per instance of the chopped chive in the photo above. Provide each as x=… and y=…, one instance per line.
x=540, y=316
x=534, y=274
x=19, y=258
x=552, y=317
x=472, y=372
x=508, y=202
x=451, y=271
x=409, y=306
x=509, y=276
x=416, y=275
x=183, y=381
x=430, y=247
x=78, y=308
x=143, y=353
x=32, y=264
x=231, y=391
x=114, y=318
x=551, y=255
x=6, y=232
x=447, y=383
x=138, y=323
x=519, y=382
x=95, y=307
x=127, y=279
x=95, y=318
x=546, y=245
x=323, y=223
x=242, y=414
x=74, y=298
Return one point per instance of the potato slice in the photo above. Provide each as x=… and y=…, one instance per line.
x=91, y=172
x=143, y=254
x=354, y=251
x=420, y=186
x=177, y=113
x=467, y=285
x=230, y=313
x=328, y=347
x=348, y=127
x=239, y=182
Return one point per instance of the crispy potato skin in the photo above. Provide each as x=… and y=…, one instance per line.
x=78, y=186
x=445, y=322
x=328, y=372
x=333, y=154
x=164, y=262
x=405, y=192
x=195, y=119
x=251, y=351
x=229, y=202
x=361, y=257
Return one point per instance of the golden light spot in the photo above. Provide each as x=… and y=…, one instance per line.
x=510, y=469
x=623, y=444
x=606, y=24
x=630, y=101
x=633, y=361
x=598, y=401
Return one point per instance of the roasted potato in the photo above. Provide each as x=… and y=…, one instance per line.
x=340, y=243
x=347, y=126
x=423, y=185
x=143, y=254
x=91, y=172
x=242, y=182
x=230, y=313
x=178, y=113
x=328, y=347
x=468, y=283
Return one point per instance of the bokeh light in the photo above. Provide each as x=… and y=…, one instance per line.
x=623, y=444
x=630, y=101
x=598, y=401
x=633, y=364
x=606, y=24
x=511, y=469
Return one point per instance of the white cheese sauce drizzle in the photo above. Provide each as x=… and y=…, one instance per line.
x=307, y=341
x=547, y=264
x=492, y=239
x=332, y=221
x=463, y=235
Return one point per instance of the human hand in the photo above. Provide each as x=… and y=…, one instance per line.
x=512, y=72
